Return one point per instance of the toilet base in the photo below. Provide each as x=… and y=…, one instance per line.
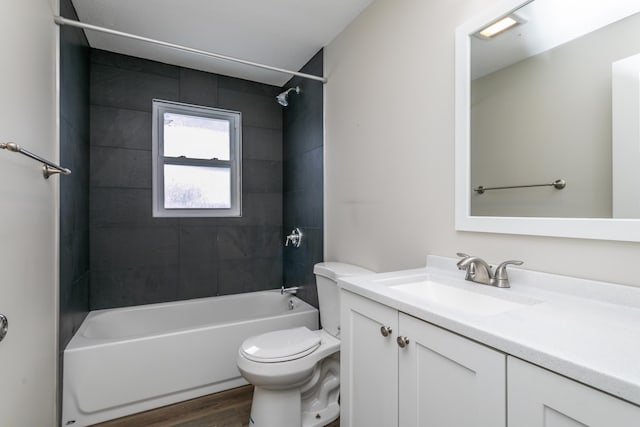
x=313, y=404
x=321, y=395
x=282, y=408
x=321, y=418
x=275, y=408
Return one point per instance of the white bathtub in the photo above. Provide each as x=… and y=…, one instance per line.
x=127, y=360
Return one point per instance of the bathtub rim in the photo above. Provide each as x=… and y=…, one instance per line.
x=79, y=341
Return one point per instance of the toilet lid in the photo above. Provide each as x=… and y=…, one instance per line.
x=280, y=346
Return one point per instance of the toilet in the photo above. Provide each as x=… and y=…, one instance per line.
x=296, y=372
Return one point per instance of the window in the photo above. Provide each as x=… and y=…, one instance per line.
x=196, y=161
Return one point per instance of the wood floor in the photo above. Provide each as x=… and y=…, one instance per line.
x=226, y=409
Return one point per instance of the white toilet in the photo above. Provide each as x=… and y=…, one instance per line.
x=296, y=372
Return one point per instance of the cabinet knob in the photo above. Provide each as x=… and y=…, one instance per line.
x=402, y=342
x=385, y=331
x=4, y=326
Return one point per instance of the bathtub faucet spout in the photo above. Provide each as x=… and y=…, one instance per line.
x=291, y=290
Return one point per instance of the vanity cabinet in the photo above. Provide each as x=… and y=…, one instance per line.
x=538, y=398
x=368, y=363
x=448, y=380
x=397, y=370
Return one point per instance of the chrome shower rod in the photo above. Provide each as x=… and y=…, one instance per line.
x=70, y=22
x=48, y=168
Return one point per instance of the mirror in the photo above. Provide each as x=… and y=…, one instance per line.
x=550, y=104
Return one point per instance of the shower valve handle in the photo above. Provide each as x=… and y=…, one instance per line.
x=295, y=238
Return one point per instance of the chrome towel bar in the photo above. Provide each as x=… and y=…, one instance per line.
x=559, y=184
x=48, y=168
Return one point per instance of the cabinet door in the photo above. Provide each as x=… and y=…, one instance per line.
x=538, y=398
x=449, y=381
x=368, y=363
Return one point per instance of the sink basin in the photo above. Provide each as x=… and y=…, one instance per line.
x=474, y=301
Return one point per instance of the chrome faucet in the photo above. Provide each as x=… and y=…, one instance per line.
x=479, y=271
x=293, y=290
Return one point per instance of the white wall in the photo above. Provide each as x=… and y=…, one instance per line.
x=28, y=214
x=625, y=105
x=389, y=119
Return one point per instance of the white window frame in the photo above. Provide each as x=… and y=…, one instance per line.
x=160, y=107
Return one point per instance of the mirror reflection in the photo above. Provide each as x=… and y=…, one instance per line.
x=555, y=95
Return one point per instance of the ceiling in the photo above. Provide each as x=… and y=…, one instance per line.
x=547, y=24
x=280, y=33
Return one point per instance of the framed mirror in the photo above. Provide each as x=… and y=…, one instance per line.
x=548, y=120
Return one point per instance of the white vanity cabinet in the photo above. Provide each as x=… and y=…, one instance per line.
x=551, y=351
x=368, y=363
x=448, y=380
x=432, y=377
x=538, y=398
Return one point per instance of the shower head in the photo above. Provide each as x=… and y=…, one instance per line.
x=282, y=98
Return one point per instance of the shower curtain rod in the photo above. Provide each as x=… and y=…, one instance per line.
x=70, y=22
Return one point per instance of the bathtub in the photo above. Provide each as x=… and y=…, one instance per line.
x=127, y=360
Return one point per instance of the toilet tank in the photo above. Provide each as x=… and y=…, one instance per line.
x=327, y=275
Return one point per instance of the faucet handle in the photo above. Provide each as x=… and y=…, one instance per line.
x=295, y=238
x=501, y=270
x=501, y=278
x=460, y=262
x=470, y=269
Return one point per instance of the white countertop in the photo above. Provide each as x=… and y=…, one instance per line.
x=583, y=329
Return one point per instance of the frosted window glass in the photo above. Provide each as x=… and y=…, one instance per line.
x=196, y=137
x=196, y=187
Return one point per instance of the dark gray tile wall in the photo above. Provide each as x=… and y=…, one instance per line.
x=303, y=179
x=74, y=188
x=137, y=259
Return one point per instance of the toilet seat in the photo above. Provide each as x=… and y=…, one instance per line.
x=280, y=346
